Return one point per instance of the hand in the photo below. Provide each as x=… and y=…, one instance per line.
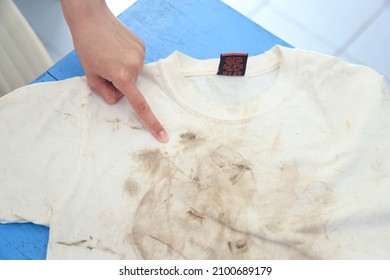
x=112, y=57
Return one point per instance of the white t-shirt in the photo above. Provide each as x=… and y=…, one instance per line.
x=289, y=162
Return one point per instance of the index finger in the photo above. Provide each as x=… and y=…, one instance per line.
x=145, y=114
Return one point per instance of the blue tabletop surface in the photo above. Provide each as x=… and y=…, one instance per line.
x=199, y=28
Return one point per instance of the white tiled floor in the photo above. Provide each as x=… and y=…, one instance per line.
x=356, y=31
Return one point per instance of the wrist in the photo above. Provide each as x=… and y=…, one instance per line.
x=78, y=11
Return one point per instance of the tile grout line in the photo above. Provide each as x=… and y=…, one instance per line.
x=362, y=28
x=301, y=26
x=258, y=8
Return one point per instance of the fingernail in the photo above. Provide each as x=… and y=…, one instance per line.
x=163, y=137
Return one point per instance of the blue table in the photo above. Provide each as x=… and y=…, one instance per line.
x=199, y=28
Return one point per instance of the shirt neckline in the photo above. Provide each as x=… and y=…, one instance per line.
x=177, y=66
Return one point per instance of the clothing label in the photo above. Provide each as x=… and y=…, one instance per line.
x=232, y=64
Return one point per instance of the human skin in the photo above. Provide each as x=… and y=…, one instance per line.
x=112, y=57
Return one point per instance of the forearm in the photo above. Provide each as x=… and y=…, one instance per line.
x=77, y=12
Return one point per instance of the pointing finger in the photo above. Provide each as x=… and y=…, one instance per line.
x=145, y=114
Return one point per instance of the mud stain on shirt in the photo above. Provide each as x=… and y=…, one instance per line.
x=194, y=191
x=91, y=244
x=115, y=124
x=207, y=199
x=131, y=187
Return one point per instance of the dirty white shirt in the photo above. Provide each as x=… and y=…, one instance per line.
x=289, y=162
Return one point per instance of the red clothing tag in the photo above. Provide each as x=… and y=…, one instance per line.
x=232, y=64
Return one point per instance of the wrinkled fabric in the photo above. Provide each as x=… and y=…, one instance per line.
x=288, y=162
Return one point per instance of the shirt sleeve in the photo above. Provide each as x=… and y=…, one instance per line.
x=40, y=132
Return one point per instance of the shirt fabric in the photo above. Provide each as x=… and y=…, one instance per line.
x=288, y=162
